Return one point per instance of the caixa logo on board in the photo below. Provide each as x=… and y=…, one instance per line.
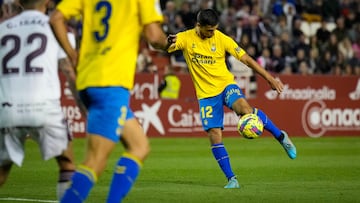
x=317, y=118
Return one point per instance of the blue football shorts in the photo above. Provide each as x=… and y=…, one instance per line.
x=108, y=109
x=212, y=108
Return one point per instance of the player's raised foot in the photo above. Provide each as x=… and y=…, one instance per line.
x=233, y=183
x=288, y=145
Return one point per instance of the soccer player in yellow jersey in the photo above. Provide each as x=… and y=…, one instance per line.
x=204, y=49
x=105, y=69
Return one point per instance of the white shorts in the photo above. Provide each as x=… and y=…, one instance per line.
x=52, y=137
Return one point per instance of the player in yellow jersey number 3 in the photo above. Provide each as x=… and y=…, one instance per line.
x=105, y=67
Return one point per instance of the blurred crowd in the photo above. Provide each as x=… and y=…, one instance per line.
x=284, y=36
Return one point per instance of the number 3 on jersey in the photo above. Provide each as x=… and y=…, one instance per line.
x=103, y=7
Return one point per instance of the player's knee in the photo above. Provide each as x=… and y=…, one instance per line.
x=241, y=107
x=140, y=150
x=144, y=151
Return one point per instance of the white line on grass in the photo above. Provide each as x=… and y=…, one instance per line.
x=26, y=200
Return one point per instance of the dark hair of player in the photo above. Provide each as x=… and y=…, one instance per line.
x=208, y=17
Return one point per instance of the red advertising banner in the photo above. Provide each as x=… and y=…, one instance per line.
x=309, y=106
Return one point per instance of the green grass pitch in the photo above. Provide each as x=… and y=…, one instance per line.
x=182, y=170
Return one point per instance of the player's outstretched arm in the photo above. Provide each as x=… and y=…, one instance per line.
x=274, y=83
x=58, y=24
x=154, y=34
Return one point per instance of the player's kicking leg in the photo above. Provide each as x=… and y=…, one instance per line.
x=241, y=107
x=280, y=135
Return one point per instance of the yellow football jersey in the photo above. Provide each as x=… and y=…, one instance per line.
x=110, y=38
x=206, y=60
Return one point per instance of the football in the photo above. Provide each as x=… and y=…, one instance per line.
x=250, y=126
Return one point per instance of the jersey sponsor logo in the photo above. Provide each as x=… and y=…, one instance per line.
x=202, y=59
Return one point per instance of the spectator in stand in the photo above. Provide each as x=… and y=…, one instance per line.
x=300, y=57
x=286, y=45
x=143, y=60
x=340, y=31
x=314, y=60
x=331, y=45
x=236, y=4
x=330, y=10
x=322, y=33
x=265, y=7
x=245, y=41
x=278, y=61
x=253, y=30
x=314, y=43
x=290, y=14
x=357, y=69
x=239, y=28
x=302, y=44
x=345, y=7
x=179, y=25
x=265, y=59
x=340, y=59
x=326, y=63
x=265, y=26
x=303, y=69
x=278, y=7
x=264, y=43
x=287, y=70
x=167, y=27
x=188, y=17
x=170, y=11
x=348, y=69
x=345, y=48
x=228, y=19
x=350, y=19
x=244, y=12
x=296, y=31
x=337, y=70
x=356, y=47
x=354, y=32
x=281, y=26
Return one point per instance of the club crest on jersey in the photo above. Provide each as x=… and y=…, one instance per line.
x=213, y=48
